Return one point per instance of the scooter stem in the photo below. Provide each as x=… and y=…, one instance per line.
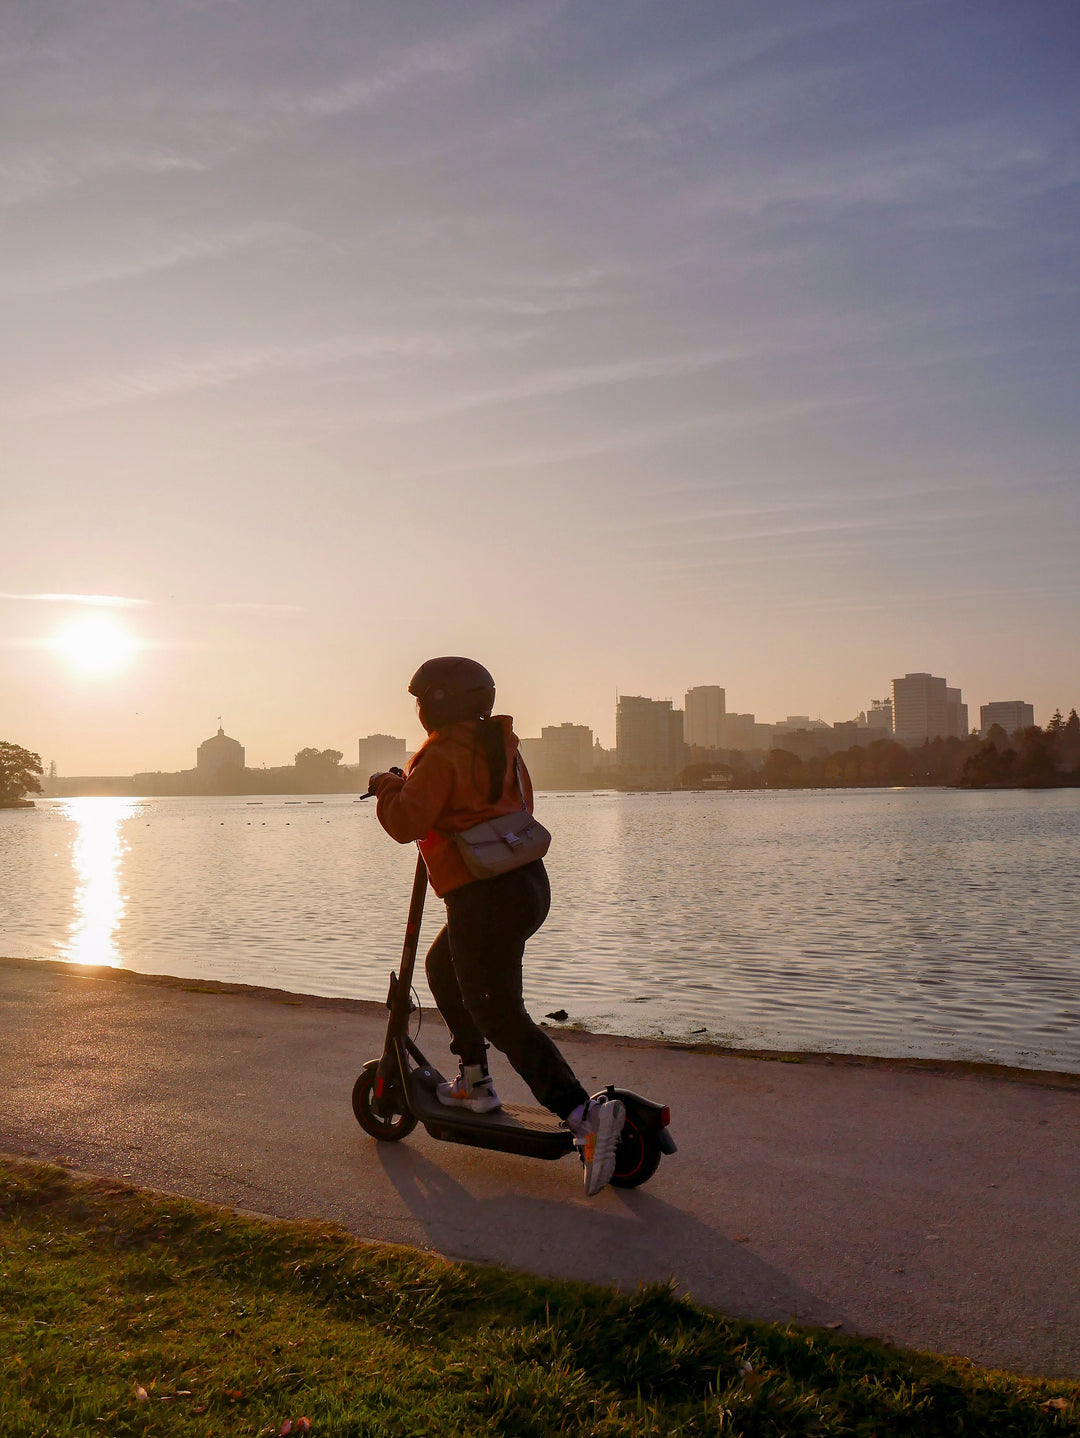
x=412, y=927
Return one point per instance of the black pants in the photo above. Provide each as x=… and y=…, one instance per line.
x=474, y=970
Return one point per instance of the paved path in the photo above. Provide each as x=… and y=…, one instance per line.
x=938, y=1209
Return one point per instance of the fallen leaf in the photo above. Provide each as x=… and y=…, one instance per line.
x=303, y=1425
x=838, y=1324
x=1056, y=1405
x=141, y=1393
x=285, y=1428
x=741, y=1238
x=234, y=1393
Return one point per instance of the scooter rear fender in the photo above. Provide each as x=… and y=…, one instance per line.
x=649, y=1114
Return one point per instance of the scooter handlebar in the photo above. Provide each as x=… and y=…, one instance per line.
x=395, y=770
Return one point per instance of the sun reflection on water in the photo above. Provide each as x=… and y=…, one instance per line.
x=97, y=857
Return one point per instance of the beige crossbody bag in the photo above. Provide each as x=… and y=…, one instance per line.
x=509, y=842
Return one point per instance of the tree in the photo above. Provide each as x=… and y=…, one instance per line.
x=18, y=773
x=989, y=767
x=317, y=770
x=1036, y=756
x=782, y=770
x=996, y=735
x=1070, y=739
x=331, y=758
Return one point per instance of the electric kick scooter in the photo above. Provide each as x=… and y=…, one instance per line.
x=397, y=1091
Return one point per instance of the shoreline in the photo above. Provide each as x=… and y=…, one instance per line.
x=971, y=1068
x=595, y=791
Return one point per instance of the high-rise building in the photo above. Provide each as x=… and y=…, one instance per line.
x=956, y=714
x=920, y=709
x=742, y=731
x=648, y=738
x=380, y=752
x=218, y=752
x=561, y=758
x=568, y=748
x=705, y=709
x=879, y=716
x=603, y=759
x=1011, y=714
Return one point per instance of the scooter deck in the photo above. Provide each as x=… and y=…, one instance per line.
x=514, y=1128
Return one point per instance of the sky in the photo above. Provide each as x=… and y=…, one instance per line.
x=624, y=347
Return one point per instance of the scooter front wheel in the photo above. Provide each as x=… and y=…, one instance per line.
x=383, y=1118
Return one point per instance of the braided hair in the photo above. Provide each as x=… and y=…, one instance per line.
x=491, y=742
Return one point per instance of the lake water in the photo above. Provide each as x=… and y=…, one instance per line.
x=895, y=922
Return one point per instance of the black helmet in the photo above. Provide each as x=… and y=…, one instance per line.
x=451, y=689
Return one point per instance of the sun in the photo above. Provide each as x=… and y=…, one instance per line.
x=96, y=645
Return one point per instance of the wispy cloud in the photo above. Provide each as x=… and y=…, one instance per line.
x=221, y=367
x=117, y=601
x=207, y=125
x=449, y=58
x=257, y=607
x=153, y=254
x=104, y=601
x=33, y=174
x=569, y=379
x=925, y=598
x=967, y=170
x=628, y=438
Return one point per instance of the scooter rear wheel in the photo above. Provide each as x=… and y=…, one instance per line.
x=383, y=1118
x=638, y=1155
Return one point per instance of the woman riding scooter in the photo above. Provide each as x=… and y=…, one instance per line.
x=470, y=771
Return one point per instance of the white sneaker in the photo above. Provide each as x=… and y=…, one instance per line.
x=596, y=1135
x=472, y=1089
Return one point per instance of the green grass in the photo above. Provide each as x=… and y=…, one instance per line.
x=230, y=1326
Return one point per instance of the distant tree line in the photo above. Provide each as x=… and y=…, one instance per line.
x=314, y=771
x=1032, y=758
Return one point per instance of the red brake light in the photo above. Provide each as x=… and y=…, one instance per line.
x=378, y=1087
x=665, y=1116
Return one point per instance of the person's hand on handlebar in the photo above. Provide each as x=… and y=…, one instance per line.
x=373, y=780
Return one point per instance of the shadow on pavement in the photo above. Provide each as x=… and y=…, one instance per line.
x=627, y=1238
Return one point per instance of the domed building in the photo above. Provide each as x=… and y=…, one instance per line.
x=217, y=753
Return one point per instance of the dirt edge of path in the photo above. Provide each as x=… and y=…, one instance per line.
x=959, y=1068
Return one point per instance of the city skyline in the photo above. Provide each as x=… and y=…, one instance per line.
x=614, y=346
x=380, y=749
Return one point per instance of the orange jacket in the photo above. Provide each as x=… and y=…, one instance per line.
x=446, y=789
